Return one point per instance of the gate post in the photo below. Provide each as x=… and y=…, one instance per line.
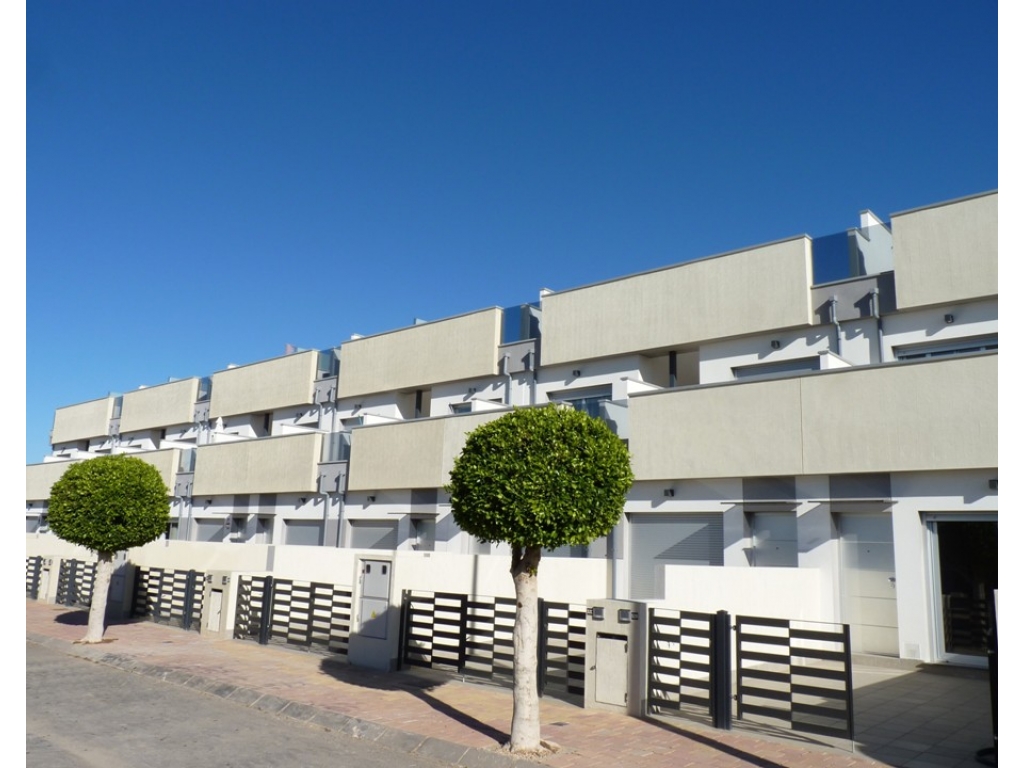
x=542, y=646
x=721, y=671
x=403, y=619
x=463, y=631
x=266, y=609
x=190, y=596
x=71, y=595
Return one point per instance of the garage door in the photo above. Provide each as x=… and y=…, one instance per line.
x=659, y=540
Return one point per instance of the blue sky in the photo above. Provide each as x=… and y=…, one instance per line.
x=207, y=182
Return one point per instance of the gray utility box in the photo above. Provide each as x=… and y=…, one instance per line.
x=616, y=657
x=218, y=604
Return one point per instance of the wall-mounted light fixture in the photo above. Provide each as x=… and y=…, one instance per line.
x=357, y=406
x=472, y=390
x=576, y=372
x=371, y=499
x=776, y=343
x=302, y=499
x=993, y=484
x=209, y=502
x=949, y=319
x=670, y=492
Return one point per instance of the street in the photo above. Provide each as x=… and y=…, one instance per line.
x=84, y=715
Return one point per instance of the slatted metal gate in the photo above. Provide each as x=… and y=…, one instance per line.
x=314, y=616
x=795, y=671
x=679, y=662
x=472, y=636
x=169, y=597
x=33, y=576
x=75, y=583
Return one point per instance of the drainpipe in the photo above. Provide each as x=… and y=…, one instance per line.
x=505, y=365
x=532, y=361
x=833, y=317
x=327, y=510
x=341, y=521
x=672, y=370
x=876, y=313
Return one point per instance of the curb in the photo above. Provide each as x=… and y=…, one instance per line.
x=386, y=736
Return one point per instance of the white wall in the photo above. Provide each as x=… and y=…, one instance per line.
x=783, y=593
x=917, y=494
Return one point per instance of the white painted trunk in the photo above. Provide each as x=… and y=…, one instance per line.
x=525, y=701
x=100, y=588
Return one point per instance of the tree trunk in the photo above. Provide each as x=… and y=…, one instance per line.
x=100, y=588
x=525, y=701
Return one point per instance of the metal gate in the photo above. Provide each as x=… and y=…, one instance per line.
x=169, y=597
x=33, y=576
x=472, y=636
x=313, y=616
x=795, y=671
x=75, y=583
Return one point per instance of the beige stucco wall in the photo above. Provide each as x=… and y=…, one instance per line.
x=932, y=415
x=722, y=431
x=924, y=416
x=161, y=406
x=39, y=478
x=738, y=293
x=165, y=461
x=463, y=347
x=264, y=386
x=268, y=465
x=947, y=253
x=410, y=454
x=82, y=421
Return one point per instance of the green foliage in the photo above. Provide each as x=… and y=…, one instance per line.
x=542, y=477
x=109, y=504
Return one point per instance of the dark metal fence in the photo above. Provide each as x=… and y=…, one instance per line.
x=313, y=616
x=679, y=661
x=169, y=597
x=33, y=576
x=75, y=583
x=472, y=636
x=797, y=672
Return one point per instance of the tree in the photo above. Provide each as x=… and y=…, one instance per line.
x=108, y=504
x=537, y=478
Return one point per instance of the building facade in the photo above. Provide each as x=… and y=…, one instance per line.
x=812, y=424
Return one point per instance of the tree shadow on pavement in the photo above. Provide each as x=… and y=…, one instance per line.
x=418, y=686
x=707, y=741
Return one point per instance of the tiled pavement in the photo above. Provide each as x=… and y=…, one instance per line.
x=914, y=719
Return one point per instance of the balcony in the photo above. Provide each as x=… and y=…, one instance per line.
x=268, y=465
x=931, y=415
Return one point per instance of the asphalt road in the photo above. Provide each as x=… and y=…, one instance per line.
x=84, y=715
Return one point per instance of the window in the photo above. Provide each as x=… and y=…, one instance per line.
x=461, y=407
x=781, y=368
x=302, y=532
x=374, y=534
x=587, y=399
x=957, y=347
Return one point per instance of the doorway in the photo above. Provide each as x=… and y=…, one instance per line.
x=964, y=553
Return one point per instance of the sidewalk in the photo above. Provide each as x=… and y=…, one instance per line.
x=461, y=723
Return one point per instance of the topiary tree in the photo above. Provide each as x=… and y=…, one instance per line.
x=108, y=504
x=537, y=478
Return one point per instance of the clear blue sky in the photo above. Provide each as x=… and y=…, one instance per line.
x=207, y=182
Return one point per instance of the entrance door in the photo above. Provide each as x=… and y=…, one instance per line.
x=868, y=579
x=964, y=575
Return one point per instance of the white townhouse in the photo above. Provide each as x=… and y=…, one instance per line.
x=812, y=424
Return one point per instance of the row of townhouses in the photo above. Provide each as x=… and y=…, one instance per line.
x=811, y=422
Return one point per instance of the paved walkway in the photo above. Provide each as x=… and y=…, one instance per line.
x=466, y=723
